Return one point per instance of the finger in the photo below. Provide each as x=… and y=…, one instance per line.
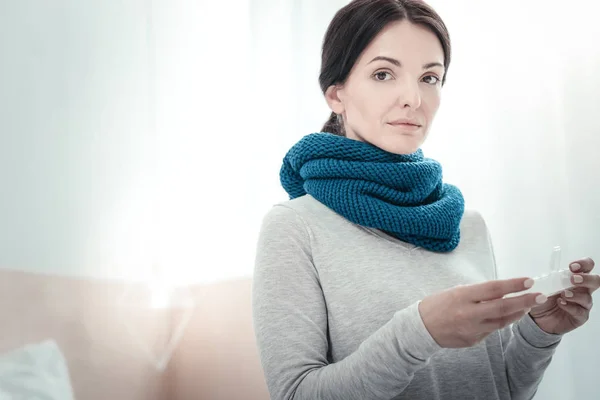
x=590, y=282
x=583, y=265
x=490, y=325
x=496, y=289
x=582, y=299
x=575, y=310
x=500, y=308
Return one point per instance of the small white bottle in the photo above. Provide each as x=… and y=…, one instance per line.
x=554, y=282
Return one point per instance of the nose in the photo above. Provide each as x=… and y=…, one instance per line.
x=409, y=94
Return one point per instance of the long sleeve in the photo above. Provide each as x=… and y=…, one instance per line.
x=528, y=351
x=291, y=327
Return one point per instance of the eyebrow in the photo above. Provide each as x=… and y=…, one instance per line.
x=398, y=64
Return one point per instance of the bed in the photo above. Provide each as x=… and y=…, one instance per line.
x=84, y=321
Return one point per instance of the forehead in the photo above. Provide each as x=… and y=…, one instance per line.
x=407, y=42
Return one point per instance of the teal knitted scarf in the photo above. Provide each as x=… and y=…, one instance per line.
x=402, y=195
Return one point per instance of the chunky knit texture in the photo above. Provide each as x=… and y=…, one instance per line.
x=402, y=195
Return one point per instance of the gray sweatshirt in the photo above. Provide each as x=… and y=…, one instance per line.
x=335, y=312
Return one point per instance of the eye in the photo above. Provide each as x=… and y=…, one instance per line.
x=436, y=79
x=381, y=76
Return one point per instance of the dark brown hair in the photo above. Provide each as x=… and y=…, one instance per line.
x=352, y=29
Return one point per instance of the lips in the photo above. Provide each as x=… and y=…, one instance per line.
x=405, y=123
x=405, y=127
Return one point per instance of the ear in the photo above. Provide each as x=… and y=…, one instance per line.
x=332, y=96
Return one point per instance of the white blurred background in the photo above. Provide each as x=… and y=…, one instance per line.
x=147, y=134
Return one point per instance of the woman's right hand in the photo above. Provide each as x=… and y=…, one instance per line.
x=464, y=315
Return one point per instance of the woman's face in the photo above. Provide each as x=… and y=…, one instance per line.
x=393, y=90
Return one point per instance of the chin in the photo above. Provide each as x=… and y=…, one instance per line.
x=401, y=145
x=395, y=143
x=404, y=151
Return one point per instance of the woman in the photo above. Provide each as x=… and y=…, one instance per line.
x=372, y=281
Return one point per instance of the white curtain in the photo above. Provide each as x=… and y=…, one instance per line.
x=127, y=144
x=516, y=130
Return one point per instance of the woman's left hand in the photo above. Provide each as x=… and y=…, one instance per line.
x=569, y=309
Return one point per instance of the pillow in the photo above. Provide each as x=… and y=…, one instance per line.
x=35, y=371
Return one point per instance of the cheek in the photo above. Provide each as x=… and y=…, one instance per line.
x=366, y=105
x=378, y=107
x=430, y=104
x=374, y=104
